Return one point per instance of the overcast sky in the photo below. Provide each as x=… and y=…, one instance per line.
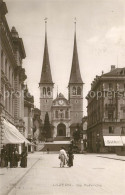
x=100, y=38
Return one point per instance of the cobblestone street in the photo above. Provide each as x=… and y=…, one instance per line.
x=91, y=174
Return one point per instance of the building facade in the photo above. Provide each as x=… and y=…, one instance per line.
x=106, y=110
x=62, y=112
x=28, y=114
x=12, y=75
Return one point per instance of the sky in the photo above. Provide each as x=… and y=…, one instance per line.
x=100, y=31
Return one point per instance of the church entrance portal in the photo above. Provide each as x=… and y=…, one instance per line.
x=61, y=130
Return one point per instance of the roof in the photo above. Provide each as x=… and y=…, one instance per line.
x=75, y=76
x=46, y=77
x=18, y=41
x=115, y=72
x=60, y=96
x=118, y=73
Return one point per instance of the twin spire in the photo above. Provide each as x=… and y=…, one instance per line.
x=75, y=75
x=46, y=77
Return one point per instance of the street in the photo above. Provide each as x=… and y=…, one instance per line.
x=91, y=174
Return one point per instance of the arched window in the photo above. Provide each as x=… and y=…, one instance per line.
x=78, y=91
x=61, y=114
x=48, y=91
x=44, y=91
x=74, y=90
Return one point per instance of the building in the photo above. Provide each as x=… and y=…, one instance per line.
x=12, y=75
x=62, y=112
x=28, y=115
x=106, y=111
x=37, y=126
x=84, y=128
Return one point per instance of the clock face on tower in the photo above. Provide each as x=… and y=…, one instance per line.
x=61, y=102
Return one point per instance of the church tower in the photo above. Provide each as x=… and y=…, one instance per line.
x=46, y=83
x=75, y=87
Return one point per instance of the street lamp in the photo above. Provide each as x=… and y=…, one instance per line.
x=98, y=143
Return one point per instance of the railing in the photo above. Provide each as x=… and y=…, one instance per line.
x=110, y=120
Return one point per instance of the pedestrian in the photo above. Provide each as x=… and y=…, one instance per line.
x=24, y=158
x=70, y=156
x=47, y=150
x=62, y=156
x=4, y=159
x=16, y=156
x=12, y=158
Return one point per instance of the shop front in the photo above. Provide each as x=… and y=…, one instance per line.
x=12, y=137
x=116, y=142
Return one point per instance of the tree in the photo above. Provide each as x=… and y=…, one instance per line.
x=76, y=134
x=47, y=127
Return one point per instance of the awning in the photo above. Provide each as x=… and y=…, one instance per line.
x=123, y=139
x=11, y=135
x=113, y=141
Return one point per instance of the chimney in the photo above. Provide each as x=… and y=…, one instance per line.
x=112, y=67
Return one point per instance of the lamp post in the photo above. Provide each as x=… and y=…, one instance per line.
x=98, y=143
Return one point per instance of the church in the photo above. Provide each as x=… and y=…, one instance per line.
x=63, y=113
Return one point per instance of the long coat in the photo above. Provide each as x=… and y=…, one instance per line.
x=71, y=157
x=23, y=159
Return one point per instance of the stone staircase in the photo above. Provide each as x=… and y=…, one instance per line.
x=54, y=146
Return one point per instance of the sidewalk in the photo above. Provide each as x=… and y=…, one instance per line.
x=112, y=156
x=9, y=177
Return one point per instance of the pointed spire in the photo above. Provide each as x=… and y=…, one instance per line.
x=46, y=76
x=75, y=76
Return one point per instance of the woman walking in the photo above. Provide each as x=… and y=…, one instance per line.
x=62, y=157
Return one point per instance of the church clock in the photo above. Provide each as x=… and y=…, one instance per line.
x=61, y=102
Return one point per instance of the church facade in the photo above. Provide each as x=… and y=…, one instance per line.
x=62, y=112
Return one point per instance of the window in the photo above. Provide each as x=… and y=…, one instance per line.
x=111, y=129
x=76, y=101
x=110, y=115
x=6, y=67
x=123, y=131
x=9, y=103
x=110, y=100
x=66, y=113
x=61, y=114
x=124, y=86
x=2, y=60
x=56, y=113
x=44, y=91
x=110, y=86
x=78, y=91
x=9, y=74
x=74, y=90
x=48, y=91
x=12, y=79
x=123, y=113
